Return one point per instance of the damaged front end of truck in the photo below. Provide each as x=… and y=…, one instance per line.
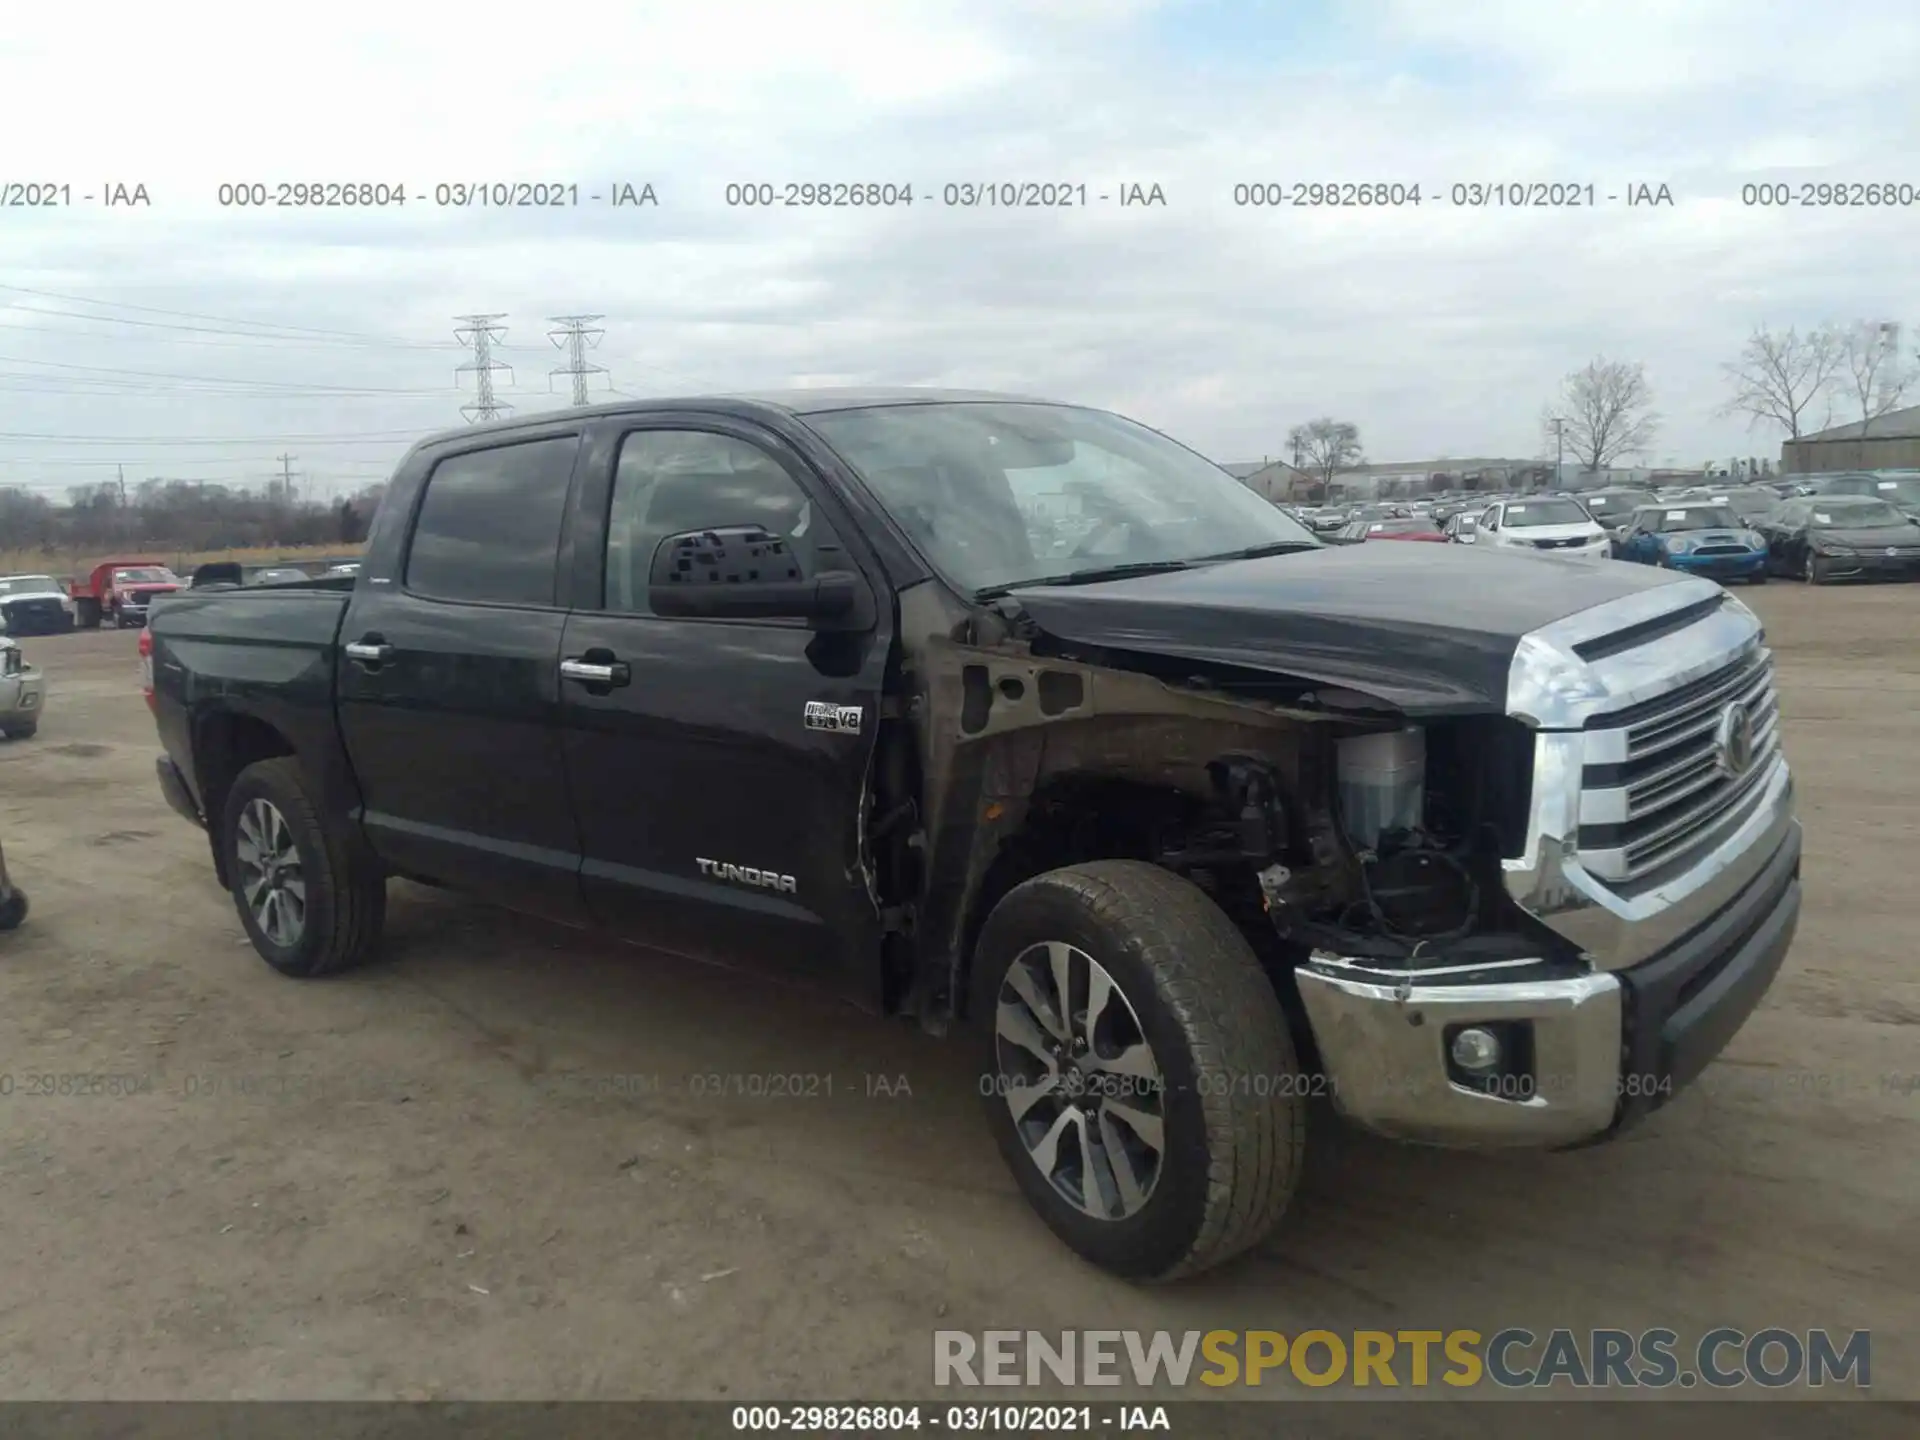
x=1482, y=864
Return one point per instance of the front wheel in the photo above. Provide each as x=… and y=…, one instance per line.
x=13, y=910
x=1136, y=1067
x=25, y=730
x=310, y=903
x=1815, y=572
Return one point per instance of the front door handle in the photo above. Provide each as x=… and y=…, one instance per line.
x=586, y=672
x=370, y=651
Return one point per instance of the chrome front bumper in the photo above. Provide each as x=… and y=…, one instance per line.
x=1383, y=1036
x=1655, y=978
x=1605, y=1047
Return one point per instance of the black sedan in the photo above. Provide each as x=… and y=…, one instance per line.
x=1841, y=537
x=1900, y=490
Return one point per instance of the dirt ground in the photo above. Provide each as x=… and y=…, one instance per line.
x=490, y=1166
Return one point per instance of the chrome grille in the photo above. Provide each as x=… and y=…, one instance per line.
x=1655, y=789
x=1722, y=550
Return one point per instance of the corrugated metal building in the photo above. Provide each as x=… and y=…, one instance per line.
x=1889, y=442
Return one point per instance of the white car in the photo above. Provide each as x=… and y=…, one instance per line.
x=1551, y=525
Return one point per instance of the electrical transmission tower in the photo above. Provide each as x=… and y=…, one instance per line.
x=576, y=339
x=480, y=333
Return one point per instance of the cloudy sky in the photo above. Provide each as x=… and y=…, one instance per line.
x=195, y=341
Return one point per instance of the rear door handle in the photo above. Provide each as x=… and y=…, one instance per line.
x=371, y=651
x=586, y=672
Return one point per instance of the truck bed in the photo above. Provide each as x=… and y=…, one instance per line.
x=267, y=650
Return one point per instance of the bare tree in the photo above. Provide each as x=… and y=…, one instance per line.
x=1604, y=411
x=1780, y=378
x=1322, y=447
x=1875, y=373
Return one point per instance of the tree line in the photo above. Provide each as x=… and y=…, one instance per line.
x=1798, y=381
x=179, y=515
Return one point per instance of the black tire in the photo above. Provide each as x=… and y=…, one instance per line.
x=25, y=730
x=87, y=614
x=1234, y=1113
x=119, y=618
x=1815, y=572
x=1757, y=579
x=345, y=893
x=13, y=911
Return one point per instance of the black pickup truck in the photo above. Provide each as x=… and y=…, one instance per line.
x=1024, y=720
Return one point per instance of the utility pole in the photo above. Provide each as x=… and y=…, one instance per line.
x=576, y=339
x=1559, y=452
x=121, y=486
x=287, y=476
x=479, y=333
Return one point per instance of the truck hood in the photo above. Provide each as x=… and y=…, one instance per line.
x=17, y=595
x=1427, y=629
x=148, y=587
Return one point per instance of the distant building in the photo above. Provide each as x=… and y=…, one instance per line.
x=1276, y=480
x=1888, y=442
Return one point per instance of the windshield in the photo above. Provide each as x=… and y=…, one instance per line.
x=1619, y=503
x=27, y=585
x=994, y=494
x=1694, y=517
x=1523, y=515
x=1856, y=515
x=145, y=575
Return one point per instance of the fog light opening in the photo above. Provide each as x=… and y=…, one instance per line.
x=1494, y=1057
x=1477, y=1050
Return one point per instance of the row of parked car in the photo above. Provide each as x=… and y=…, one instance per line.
x=118, y=592
x=1852, y=525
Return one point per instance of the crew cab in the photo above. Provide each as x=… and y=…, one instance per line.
x=1181, y=828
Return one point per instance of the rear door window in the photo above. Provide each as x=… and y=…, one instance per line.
x=489, y=525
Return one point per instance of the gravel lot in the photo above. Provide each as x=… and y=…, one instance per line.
x=422, y=1180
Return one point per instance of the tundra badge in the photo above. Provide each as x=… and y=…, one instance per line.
x=747, y=875
x=840, y=719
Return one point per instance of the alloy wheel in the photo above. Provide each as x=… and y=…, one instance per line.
x=271, y=879
x=1080, y=1080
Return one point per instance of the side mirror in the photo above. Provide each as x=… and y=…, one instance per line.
x=743, y=572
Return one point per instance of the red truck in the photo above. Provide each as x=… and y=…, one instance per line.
x=120, y=590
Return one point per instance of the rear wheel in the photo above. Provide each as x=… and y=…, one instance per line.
x=310, y=902
x=24, y=730
x=1137, y=1069
x=1815, y=572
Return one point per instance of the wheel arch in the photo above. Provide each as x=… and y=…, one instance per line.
x=225, y=742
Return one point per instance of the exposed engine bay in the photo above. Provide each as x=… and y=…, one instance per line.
x=1395, y=865
x=1320, y=819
